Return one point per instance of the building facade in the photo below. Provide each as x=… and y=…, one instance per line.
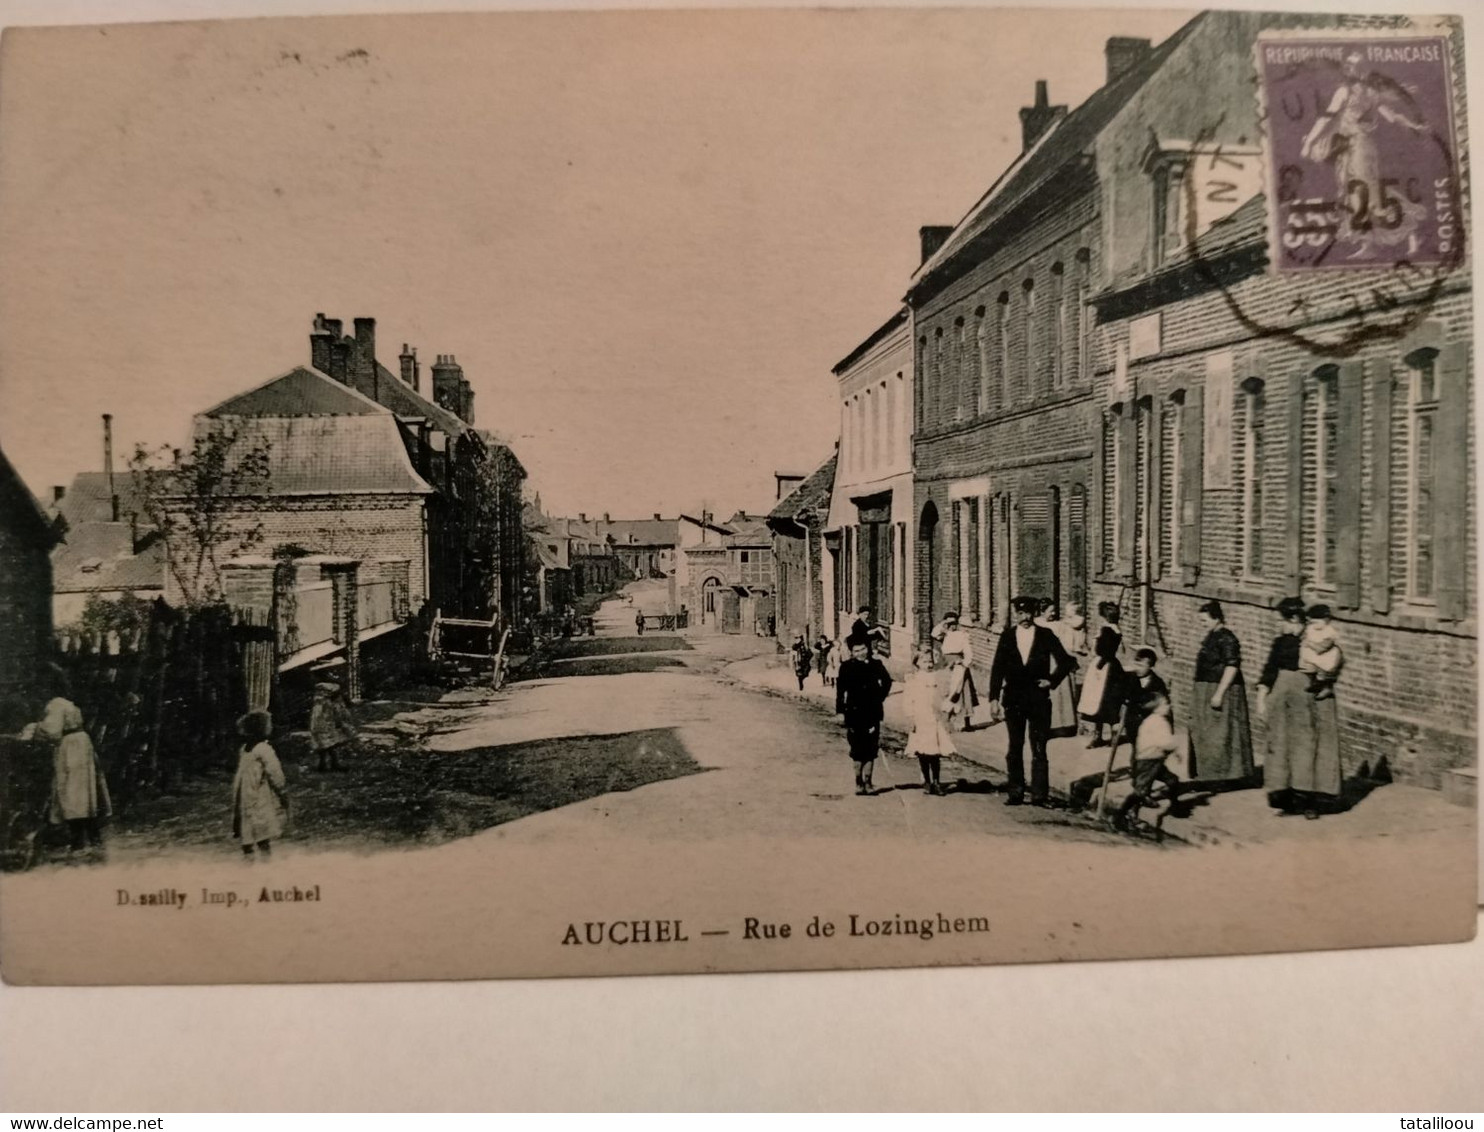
x=870, y=527
x=799, y=557
x=26, y=539
x=643, y=548
x=1247, y=466
x=1005, y=419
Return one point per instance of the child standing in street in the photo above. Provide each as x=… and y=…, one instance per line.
x=331, y=728
x=822, y=650
x=803, y=659
x=79, y=791
x=260, y=803
x=929, y=739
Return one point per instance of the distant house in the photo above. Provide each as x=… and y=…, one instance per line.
x=642, y=548
x=109, y=548
x=798, y=523
x=364, y=465
x=729, y=575
x=697, y=541
x=26, y=538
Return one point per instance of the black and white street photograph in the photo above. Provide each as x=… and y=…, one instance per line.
x=524, y=494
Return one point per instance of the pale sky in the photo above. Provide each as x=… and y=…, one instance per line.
x=646, y=237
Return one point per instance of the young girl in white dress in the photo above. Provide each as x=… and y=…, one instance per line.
x=929, y=739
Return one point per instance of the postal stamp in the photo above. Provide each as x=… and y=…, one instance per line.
x=1362, y=170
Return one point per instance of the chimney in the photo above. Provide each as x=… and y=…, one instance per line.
x=322, y=339
x=340, y=361
x=450, y=390
x=408, y=358
x=1123, y=54
x=363, y=365
x=57, y=493
x=1036, y=120
x=582, y=516
x=607, y=518
x=657, y=517
x=113, y=497
x=467, y=392
x=933, y=237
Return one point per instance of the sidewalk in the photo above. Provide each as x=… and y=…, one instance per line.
x=1239, y=816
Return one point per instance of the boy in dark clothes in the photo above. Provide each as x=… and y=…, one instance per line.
x=860, y=696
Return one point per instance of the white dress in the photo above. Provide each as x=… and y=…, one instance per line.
x=924, y=697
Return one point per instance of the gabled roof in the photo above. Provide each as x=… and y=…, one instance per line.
x=642, y=532
x=87, y=498
x=21, y=508
x=332, y=455
x=100, y=557
x=883, y=331
x=750, y=530
x=301, y=392
x=810, y=501
x=403, y=400
x=1065, y=142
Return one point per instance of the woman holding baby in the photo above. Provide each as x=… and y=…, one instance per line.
x=1295, y=695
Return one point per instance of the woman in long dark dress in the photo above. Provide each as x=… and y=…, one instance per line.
x=1220, y=730
x=1100, y=698
x=1301, y=772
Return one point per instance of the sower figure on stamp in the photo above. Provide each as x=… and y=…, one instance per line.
x=860, y=696
x=1028, y=664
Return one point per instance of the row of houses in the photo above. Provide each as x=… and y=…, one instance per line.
x=1085, y=396
x=378, y=502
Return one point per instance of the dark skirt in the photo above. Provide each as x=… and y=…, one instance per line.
x=1303, y=739
x=864, y=742
x=1220, y=740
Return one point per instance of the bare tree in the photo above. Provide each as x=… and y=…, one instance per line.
x=201, y=501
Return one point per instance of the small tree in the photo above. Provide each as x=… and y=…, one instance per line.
x=196, y=498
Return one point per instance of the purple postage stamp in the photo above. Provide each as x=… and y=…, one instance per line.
x=1362, y=163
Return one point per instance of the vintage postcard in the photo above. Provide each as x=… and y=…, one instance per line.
x=533, y=494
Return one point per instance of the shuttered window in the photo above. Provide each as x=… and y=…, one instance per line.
x=1077, y=545
x=1169, y=464
x=1109, y=501
x=971, y=553
x=1421, y=467
x=1251, y=461
x=1191, y=486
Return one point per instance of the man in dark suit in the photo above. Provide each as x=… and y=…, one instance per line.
x=1028, y=663
x=860, y=695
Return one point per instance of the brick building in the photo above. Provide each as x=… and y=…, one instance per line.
x=799, y=558
x=727, y=569
x=26, y=538
x=365, y=465
x=108, y=548
x=642, y=548
x=1005, y=418
x=871, y=523
x=1249, y=467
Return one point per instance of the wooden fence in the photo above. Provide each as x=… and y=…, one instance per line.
x=162, y=702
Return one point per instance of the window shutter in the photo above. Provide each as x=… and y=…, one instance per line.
x=1128, y=488
x=1152, y=525
x=958, y=543
x=1451, y=479
x=1378, y=545
x=1100, y=516
x=1350, y=389
x=1192, y=469
x=1293, y=495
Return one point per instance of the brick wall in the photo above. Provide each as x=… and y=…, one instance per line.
x=362, y=527
x=1409, y=685
x=1014, y=416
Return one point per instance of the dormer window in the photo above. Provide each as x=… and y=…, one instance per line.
x=1166, y=170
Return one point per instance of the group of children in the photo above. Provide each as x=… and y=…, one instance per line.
x=260, y=804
